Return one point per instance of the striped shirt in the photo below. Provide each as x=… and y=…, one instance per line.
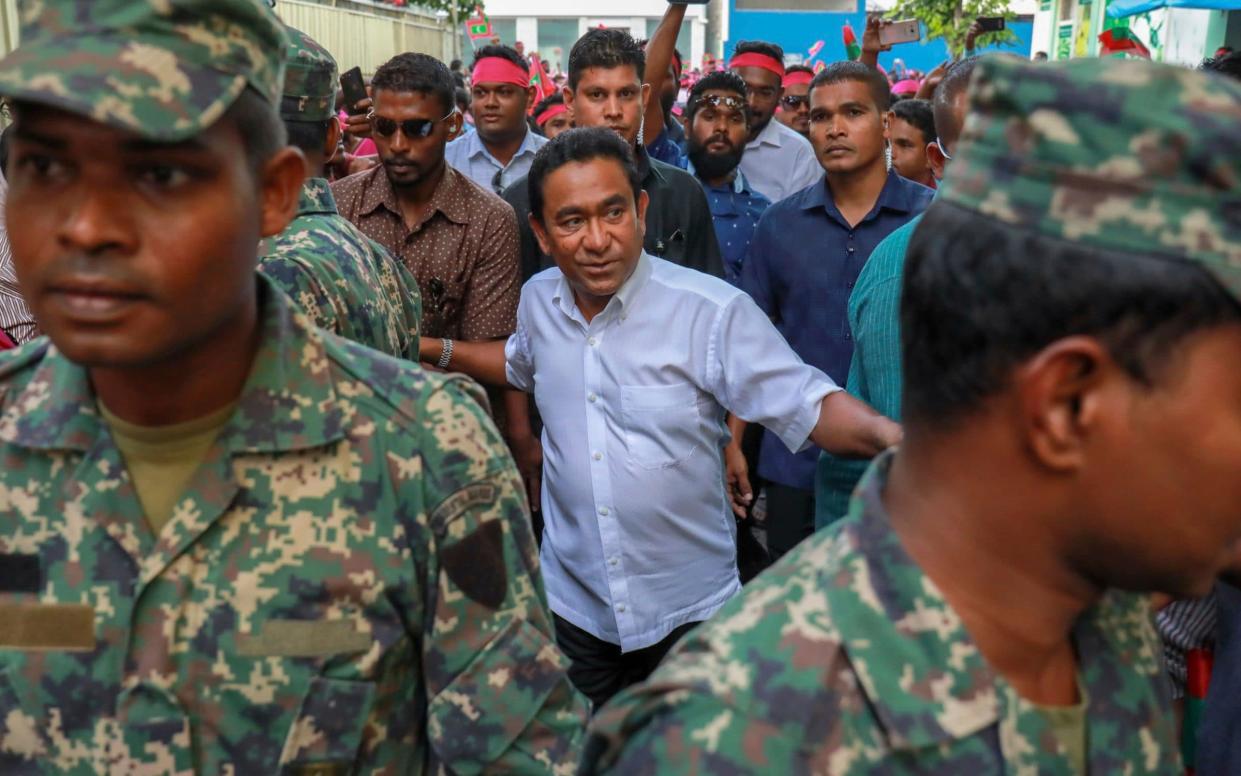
x=15, y=317
x=1184, y=625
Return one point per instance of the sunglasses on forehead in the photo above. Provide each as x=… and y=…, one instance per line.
x=411, y=128
x=722, y=101
x=794, y=101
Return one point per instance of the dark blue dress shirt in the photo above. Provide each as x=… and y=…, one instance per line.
x=801, y=268
x=735, y=210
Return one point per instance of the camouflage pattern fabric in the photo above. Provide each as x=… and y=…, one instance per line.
x=844, y=658
x=347, y=283
x=349, y=585
x=1126, y=155
x=166, y=69
x=309, y=80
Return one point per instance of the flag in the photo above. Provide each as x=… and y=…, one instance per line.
x=852, y=49
x=1198, y=665
x=478, y=26
x=819, y=67
x=540, y=80
x=815, y=49
x=1122, y=39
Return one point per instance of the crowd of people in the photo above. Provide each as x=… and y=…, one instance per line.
x=776, y=426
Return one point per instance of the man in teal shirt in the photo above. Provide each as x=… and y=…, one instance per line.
x=874, y=311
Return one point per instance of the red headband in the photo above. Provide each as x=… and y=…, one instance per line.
x=797, y=77
x=498, y=70
x=754, y=59
x=551, y=113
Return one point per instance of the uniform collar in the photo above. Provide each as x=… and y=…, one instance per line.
x=379, y=193
x=316, y=198
x=288, y=402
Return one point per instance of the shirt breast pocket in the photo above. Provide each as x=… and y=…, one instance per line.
x=664, y=424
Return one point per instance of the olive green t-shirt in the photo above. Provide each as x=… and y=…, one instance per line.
x=1068, y=723
x=162, y=459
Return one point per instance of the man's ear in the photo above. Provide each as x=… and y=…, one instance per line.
x=1064, y=393
x=935, y=158
x=540, y=234
x=644, y=202
x=646, y=97
x=888, y=118
x=281, y=184
x=532, y=95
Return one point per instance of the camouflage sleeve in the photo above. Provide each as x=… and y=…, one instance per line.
x=498, y=691
x=299, y=283
x=402, y=288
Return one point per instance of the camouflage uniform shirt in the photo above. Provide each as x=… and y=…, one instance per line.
x=348, y=585
x=347, y=283
x=845, y=659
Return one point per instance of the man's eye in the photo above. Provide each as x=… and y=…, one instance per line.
x=163, y=175
x=40, y=165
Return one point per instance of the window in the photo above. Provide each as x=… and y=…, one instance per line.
x=557, y=34
x=684, y=38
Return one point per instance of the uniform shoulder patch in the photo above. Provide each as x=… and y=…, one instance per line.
x=476, y=565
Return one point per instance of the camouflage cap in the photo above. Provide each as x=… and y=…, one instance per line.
x=309, y=81
x=1125, y=155
x=166, y=69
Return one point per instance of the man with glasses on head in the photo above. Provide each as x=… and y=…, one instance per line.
x=502, y=148
x=794, y=111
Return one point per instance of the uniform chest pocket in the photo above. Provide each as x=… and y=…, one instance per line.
x=664, y=424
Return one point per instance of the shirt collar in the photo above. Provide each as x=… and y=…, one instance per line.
x=897, y=195
x=622, y=299
x=770, y=136
x=316, y=198
x=475, y=148
x=378, y=193
x=288, y=402
x=739, y=184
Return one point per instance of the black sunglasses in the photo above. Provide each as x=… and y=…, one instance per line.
x=794, y=100
x=411, y=128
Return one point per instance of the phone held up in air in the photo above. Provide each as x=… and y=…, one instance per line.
x=354, y=88
x=903, y=31
x=991, y=23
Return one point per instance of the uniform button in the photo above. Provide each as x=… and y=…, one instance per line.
x=598, y=456
x=592, y=398
x=603, y=511
x=620, y=607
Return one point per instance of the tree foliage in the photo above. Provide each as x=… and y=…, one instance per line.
x=950, y=20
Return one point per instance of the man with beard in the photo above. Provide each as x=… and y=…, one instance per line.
x=794, y=111
x=502, y=148
x=718, y=127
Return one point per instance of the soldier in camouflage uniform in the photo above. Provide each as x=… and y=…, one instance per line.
x=1072, y=336
x=347, y=581
x=347, y=283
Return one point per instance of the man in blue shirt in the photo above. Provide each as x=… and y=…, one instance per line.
x=718, y=128
x=502, y=148
x=804, y=260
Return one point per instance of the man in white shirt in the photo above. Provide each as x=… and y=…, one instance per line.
x=778, y=161
x=633, y=362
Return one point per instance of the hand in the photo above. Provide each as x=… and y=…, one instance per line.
x=870, y=37
x=927, y=89
x=737, y=478
x=972, y=35
x=529, y=456
x=887, y=433
x=358, y=124
x=361, y=163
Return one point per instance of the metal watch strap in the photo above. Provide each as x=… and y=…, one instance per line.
x=445, y=353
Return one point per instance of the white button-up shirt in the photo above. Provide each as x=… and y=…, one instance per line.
x=779, y=162
x=468, y=156
x=638, y=535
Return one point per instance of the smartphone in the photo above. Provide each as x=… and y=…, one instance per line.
x=354, y=87
x=903, y=31
x=991, y=23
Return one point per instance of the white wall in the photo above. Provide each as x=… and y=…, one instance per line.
x=1184, y=35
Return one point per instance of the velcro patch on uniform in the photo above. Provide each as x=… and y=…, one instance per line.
x=20, y=573
x=303, y=638
x=476, y=565
x=38, y=626
x=461, y=502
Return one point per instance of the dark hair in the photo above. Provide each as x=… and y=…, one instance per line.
x=608, y=49
x=503, y=52
x=955, y=81
x=981, y=297
x=455, y=65
x=917, y=113
x=579, y=145
x=410, y=72
x=1229, y=64
x=555, y=98
x=839, y=72
x=262, y=130
x=759, y=47
x=798, y=69
x=309, y=136
x=721, y=80
x=6, y=138
x=461, y=97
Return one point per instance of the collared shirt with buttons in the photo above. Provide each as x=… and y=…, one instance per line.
x=779, y=162
x=463, y=253
x=15, y=318
x=469, y=156
x=639, y=537
x=735, y=209
x=802, y=266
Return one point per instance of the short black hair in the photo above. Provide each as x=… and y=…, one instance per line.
x=719, y=80
x=918, y=114
x=455, y=65
x=955, y=81
x=606, y=48
x=461, y=97
x=980, y=297
x=6, y=139
x=1229, y=64
x=798, y=69
x=309, y=136
x=759, y=47
x=412, y=72
x=579, y=145
x=555, y=98
x=839, y=72
x=262, y=129
x=503, y=52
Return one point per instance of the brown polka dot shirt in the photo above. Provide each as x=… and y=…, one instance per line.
x=464, y=253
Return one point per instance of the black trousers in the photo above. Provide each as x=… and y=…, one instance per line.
x=790, y=517
x=598, y=668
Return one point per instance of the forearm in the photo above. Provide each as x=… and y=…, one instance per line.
x=517, y=415
x=848, y=427
x=659, y=52
x=736, y=427
x=484, y=361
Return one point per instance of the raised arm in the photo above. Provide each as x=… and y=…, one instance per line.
x=659, y=52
